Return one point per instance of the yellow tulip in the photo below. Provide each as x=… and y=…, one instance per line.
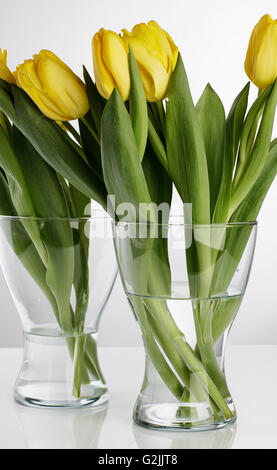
x=155, y=53
x=5, y=73
x=156, y=56
x=53, y=86
x=110, y=62
x=261, y=58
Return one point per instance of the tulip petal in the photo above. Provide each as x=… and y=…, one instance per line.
x=63, y=87
x=3, y=56
x=103, y=78
x=26, y=76
x=115, y=55
x=154, y=40
x=265, y=68
x=5, y=73
x=261, y=60
x=154, y=76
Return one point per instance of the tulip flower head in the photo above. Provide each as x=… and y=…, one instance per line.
x=155, y=53
x=110, y=62
x=53, y=86
x=5, y=73
x=156, y=56
x=261, y=58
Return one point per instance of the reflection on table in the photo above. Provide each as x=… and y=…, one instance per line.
x=151, y=439
x=61, y=429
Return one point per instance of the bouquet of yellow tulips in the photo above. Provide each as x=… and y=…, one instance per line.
x=139, y=134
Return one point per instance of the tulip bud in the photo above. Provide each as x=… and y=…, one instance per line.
x=156, y=56
x=5, y=73
x=261, y=58
x=110, y=61
x=53, y=86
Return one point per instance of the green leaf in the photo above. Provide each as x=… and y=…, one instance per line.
x=21, y=243
x=49, y=202
x=5, y=123
x=157, y=145
x=92, y=150
x=121, y=165
x=234, y=126
x=53, y=146
x=259, y=152
x=81, y=251
x=249, y=127
x=138, y=106
x=248, y=210
x=211, y=117
x=97, y=103
x=185, y=147
x=160, y=190
x=6, y=103
x=19, y=191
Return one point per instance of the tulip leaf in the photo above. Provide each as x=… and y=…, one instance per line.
x=259, y=152
x=6, y=103
x=49, y=202
x=20, y=193
x=91, y=149
x=54, y=148
x=21, y=243
x=211, y=117
x=248, y=210
x=185, y=147
x=122, y=168
x=138, y=106
x=97, y=103
x=250, y=127
x=157, y=145
x=235, y=119
x=234, y=126
x=79, y=203
x=5, y=123
x=160, y=190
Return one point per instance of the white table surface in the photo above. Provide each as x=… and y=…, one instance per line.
x=252, y=379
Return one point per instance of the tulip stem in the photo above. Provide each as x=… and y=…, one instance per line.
x=72, y=131
x=161, y=112
x=90, y=129
x=157, y=145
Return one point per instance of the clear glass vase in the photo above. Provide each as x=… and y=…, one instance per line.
x=60, y=273
x=185, y=284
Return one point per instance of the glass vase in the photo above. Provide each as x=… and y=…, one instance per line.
x=185, y=284
x=60, y=273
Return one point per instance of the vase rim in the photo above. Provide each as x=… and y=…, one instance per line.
x=95, y=215
x=188, y=225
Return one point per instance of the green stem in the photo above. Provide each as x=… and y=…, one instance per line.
x=91, y=354
x=157, y=145
x=161, y=114
x=196, y=366
x=176, y=338
x=90, y=129
x=160, y=364
x=72, y=131
x=78, y=361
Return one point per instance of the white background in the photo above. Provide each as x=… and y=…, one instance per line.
x=212, y=37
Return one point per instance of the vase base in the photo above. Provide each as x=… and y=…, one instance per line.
x=168, y=416
x=47, y=395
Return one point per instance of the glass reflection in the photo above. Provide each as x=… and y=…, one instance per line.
x=61, y=429
x=217, y=439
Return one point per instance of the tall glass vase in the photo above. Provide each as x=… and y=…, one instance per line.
x=185, y=284
x=60, y=273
